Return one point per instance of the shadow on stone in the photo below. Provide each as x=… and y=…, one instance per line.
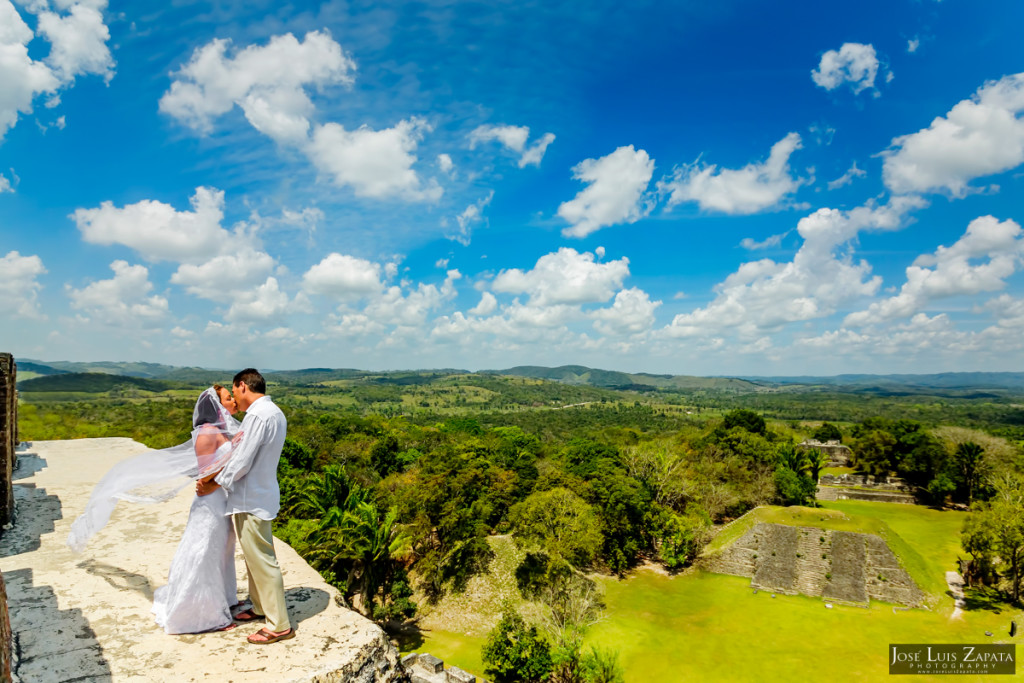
x=28, y=464
x=35, y=513
x=118, y=578
x=305, y=602
x=51, y=644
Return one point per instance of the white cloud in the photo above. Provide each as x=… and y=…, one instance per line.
x=853, y=63
x=755, y=187
x=77, y=46
x=764, y=295
x=445, y=163
x=615, y=193
x=182, y=333
x=847, y=178
x=342, y=276
x=950, y=271
x=978, y=137
x=262, y=304
x=488, y=304
x=5, y=185
x=470, y=219
x=514, y=138
x=21, y=77
x=374, y=163
x=913, y=44
x=19, y=286
x=227, y=276
x=78, y=41
x=631, y=313
x=565, y=277
x=157, y=231
x=123, y=300
x=267, y=82
x=392, y=307
x=772, y=241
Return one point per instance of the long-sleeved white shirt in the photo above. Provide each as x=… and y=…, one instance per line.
x=250, y=477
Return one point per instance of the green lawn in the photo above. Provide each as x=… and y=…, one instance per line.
x=710, y=627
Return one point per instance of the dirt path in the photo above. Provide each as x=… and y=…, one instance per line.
x=956, y=587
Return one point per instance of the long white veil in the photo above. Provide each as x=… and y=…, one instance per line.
x=156, y=476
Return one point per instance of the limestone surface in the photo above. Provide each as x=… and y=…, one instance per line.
x=87, y=617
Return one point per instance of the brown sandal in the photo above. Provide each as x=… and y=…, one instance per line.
x=249, y=615
x=269, y=637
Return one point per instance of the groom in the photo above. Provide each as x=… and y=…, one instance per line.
x=250, y=480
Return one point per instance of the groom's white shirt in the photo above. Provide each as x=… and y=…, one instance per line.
x=250, y=477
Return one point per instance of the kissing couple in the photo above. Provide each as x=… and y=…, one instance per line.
x=234, y=469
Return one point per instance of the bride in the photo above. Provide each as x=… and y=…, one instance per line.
x=200, y=590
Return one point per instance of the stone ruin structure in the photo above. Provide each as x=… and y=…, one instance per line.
x=424, y=668
x=837, y=565
x=838, y=454
x=8, y=435
x=8, y=444
x=864, y=487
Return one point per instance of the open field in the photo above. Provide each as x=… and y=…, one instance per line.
x=701, y=626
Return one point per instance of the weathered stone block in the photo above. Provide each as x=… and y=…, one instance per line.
x=430, y=664
x=456, y=675
x=8, y=434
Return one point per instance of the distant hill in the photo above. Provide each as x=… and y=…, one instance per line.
x=126, y=368
x=611, y=379
x=92, y=382
x=1013, y=381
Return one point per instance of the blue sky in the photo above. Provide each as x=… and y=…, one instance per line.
x=694, y=188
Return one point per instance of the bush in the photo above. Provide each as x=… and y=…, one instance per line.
x=515, y=652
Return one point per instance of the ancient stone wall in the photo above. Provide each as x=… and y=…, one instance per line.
x=836, y=565
x=838, y=454
x=425, y=668
x=8, y=435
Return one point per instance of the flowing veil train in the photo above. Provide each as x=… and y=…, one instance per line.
x=200, y=588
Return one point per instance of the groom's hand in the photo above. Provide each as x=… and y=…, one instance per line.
x=205, y=488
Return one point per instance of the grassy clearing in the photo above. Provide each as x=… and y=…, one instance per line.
x=712, y=627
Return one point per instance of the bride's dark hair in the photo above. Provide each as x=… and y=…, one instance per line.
x=207, y=411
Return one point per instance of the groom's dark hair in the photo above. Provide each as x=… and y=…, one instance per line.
x=253, y=379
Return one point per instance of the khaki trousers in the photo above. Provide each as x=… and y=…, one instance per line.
x=266, y=586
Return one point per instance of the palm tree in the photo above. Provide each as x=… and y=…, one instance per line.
x=968, y=459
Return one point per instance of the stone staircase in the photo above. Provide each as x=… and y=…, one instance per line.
x=776, y=569
x=849, y=557
x=836, y=565
x=425, y=668
x=812, y=561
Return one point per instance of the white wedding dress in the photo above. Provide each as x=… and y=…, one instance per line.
x=200, y=590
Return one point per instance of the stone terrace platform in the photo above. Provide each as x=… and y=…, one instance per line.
x=87, y=617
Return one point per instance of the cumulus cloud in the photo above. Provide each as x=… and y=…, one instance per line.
x=374, y=163
x=513, y=138
x=5, y=184
x=78, y=41
x=615, y=193
x=913, y=44
x=445, y=163
x=847, y=178
x=771, y=241
x=977, y=137
x=632, y=312
x=341, y=276
x=470, y=219
x=262, y=304
x=157, y=231
x=226, y=276
x=19, y=286
x=123, y=300
x=488, y=304
x=764, y=295
x=755, y=187
x=953, y=271
x=269, y=84
x=853, y=63
x=77, y=47
x=565, y=277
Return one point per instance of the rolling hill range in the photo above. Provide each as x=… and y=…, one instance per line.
x=68, y=374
